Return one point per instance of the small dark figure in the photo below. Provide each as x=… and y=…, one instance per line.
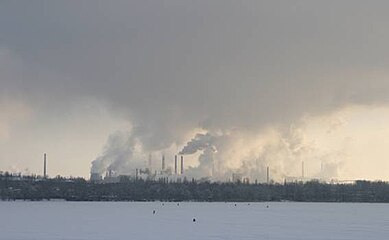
x=163, y=204
x=178, y=204
x=267, y=206
x=153, y=211
x=235, y=204
x=194, y=219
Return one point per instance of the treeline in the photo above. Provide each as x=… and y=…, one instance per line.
x=78, y=189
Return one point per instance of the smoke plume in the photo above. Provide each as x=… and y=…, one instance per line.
x=117, y=154
x=228, y=70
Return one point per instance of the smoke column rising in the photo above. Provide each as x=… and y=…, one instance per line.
x=230, y=69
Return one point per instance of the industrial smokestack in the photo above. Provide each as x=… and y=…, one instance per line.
x=44, y=166
x=175, y=164
x=267, y=175
x=163, y=162
x=182, y=165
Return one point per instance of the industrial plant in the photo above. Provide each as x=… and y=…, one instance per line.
x=166, y=173
x=170, y=183
x=176, y=173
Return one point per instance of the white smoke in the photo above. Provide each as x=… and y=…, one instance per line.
x=204, y=143
x=249, y=154
x=222, y=153
x=117, y=154
x=199, y=143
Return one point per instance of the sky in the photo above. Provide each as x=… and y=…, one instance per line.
x=242, y=84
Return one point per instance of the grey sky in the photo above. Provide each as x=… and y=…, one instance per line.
x=168, y=67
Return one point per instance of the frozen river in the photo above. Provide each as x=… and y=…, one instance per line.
x=126, y=220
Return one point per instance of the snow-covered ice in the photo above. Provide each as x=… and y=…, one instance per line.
x=136, y=220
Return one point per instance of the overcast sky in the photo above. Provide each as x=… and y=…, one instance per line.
x=73, y=72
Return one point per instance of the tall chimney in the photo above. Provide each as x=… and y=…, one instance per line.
x=175, y=164
x=163, y=162
x=44, y=166
x=267, y=175
x=182, y=165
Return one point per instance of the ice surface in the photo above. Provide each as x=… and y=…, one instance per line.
x=128, y=220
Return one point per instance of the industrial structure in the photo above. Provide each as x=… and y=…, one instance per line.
x=176, y=173
x=166, y=173
x=163, y=162
x=44, y=166
x=182, y=165
x=175, y=164
x=147, y=173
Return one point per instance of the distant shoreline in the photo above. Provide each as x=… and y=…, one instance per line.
x=63, y=189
